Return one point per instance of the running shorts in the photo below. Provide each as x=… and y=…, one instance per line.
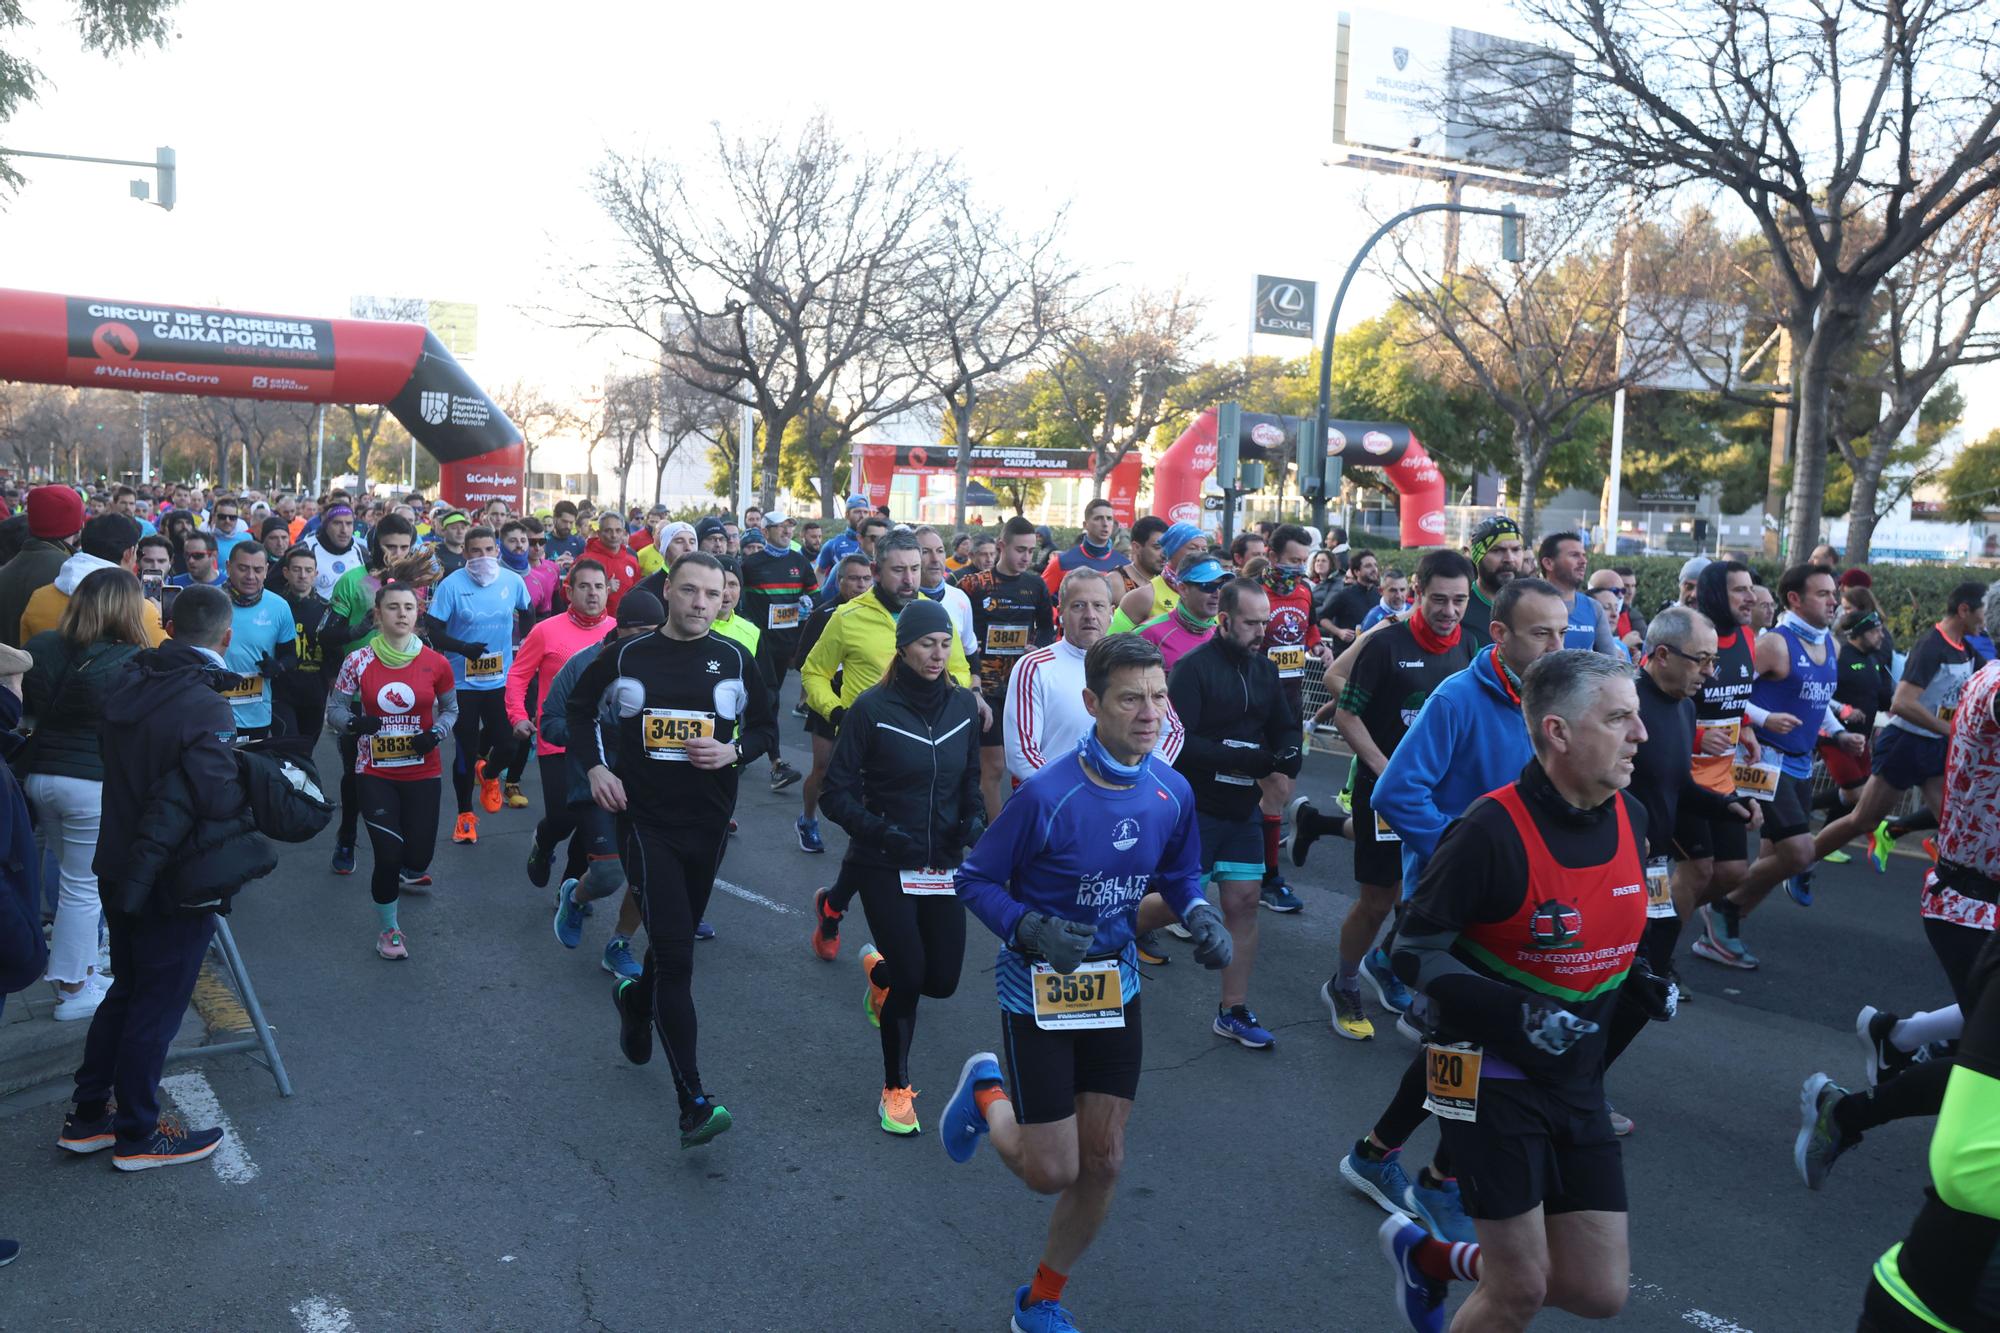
x=1698, y=837
x=995, y=734
x=1530, y=1146
x=1231, y=849
x=1789, y=813
x=1846, y=770
x=1045, y=1070
x=820, y=727
x=1903, y=759
x=1377, y=863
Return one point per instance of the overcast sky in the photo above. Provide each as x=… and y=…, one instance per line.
x=441, y=150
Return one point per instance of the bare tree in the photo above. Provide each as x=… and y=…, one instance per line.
x=530, y=406
x=687, y=413
x=806, y=238
x=630, y=404
x=41, y=424
x=1118, y=369
x=364, y=425
x=1852, y=131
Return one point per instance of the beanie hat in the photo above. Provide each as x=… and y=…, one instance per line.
x=55, y=513
x=1692, y=569
x=919, y=618
x=639, y=607
x=1177, y=536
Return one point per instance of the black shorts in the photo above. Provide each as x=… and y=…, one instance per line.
x=1045, y=1070
x=1231, y=849
x=1903, y=759
x=1699, y=838
x=819, y=726
x=995, y=735
x=1531, y=1146
x=1789, y=813
x=1377, y=863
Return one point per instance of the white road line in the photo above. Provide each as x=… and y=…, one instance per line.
x=317, y=1314
x=738, y=891
x=196, y=1099
x=1714, y=1323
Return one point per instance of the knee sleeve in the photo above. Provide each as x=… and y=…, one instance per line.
x=604, y=876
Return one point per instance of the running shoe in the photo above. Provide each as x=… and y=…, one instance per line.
x=421, y=880
x=703, y=931
x=898, y=1111
x=1380, y=1180
x=1820, y=1142
x=83, y=1002
x=618, y=959
x=1439, y=1209
x=732, y=826
x=1880, y=844
x=1240, y=1025
x=1717, y=944
x=1152, y=952
x=1799, y=888
x=1885, y=1058
x=87, y=1136
x=635, y=1020
x=1621, y=1125
x=569, y=916
x=809, y=839
x=784, y=775
x=871, y=998
x=170, y=1144
x=516, y=798
x=1278, y=896
x=1390, y=992
x=1179, y=931
x=1930, y=849
x=1041, y=1317
x=703, y=1121
x=799, y=710
x=1419, y=1300
x=1680, y=987
x=963, y=1123
x=1408, y=1030
x=1307, y=827
x=466, y=829
x=540, y=862
x=826, y=928
x=343, y=858
x=389, y=945
x=489, y=788
x=10, y=1250
x=1343, y=1009
x=1837, y=857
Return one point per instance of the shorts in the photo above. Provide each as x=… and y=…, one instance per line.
x=1699, y=838
x=1231, y=849
x=1846, y=770
x=1532, y=1147
x=1903, y=759
x=1377, y=863
x=1789, y=813
x=820, y=727
x=995, y=735
x=596, y=830
x=1045, y=1070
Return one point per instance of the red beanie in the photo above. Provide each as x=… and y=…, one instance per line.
x=55, y=513
x=1856, y=578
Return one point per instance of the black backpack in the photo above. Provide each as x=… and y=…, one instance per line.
x=286, y=798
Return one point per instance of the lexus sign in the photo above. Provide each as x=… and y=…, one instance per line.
x=1284, y=307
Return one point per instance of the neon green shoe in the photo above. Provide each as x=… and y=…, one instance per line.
x=1836, y=858
x=871, y=999
x=1879, y=847
x=898, y=1111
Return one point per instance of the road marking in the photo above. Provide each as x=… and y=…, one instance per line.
x=196, y=1099
x=317, y=1314
x=1714, y=1323
x=738, y=891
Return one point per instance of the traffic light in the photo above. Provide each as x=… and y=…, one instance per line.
x=1510, y=234
x=1310, y=461
x=168, y=179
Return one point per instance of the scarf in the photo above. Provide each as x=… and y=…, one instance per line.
x=1092, y=752
x=926, y=696
x=1811, y=634
x=582, y=621
x=1420, y=630
x=1281, y=579
x=1509, y=682
x=1182, y=614
x=515, y=560
x=1091, y=549
x=483, y=571
x=388, y=656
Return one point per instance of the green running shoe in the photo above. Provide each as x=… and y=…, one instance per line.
x=1879, y=847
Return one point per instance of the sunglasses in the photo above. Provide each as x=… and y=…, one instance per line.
x=538, y=541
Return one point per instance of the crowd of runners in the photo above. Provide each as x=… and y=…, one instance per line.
x=1089, y=750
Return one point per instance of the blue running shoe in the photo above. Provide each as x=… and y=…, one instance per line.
x=809, y=840
x=962, y=1123
x=1241, y=1026
x=703, y=931
x=343, y=858
x=1440, y=1210
x=1383, y=1181
x=1392, y=994
x=1041, y=1317
x=569, y=916
x=1419, y=1300
x=1799, y=886
x=618, y=959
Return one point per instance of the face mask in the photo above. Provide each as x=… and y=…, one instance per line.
x=483, y=570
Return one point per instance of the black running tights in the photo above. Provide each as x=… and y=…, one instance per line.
x=402, y=820
x=922, y=939
x=673, y=870
x=482, y=734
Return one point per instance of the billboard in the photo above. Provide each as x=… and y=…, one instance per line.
x=1451, y=94
x=1284, y=307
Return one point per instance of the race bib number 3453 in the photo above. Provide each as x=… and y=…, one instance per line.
x=667, y=731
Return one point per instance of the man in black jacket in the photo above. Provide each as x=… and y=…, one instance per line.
x=24, y=954
x=166, y=731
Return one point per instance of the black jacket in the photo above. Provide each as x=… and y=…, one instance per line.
x=24, y=954
x=65, y=693
x=179, y=833
x=33, y=568
x=896, y=768
x=1240, y=727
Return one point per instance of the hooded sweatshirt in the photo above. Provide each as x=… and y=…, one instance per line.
x=620, y=566
x=1468, y=739
x=46, y=607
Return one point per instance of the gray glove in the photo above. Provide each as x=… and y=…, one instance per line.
x=1212, y=946
x=1552, y=1030
x=1062, y=944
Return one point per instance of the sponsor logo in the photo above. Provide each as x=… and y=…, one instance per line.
x=714, y=667
x=1375, y=442
x=1624, y=889
x=1336, y=438
x=1125, y=834
x=1432, y=521
x=434, y=406
x=396, y=697
x=1287, y=299
x=276, y=384
x=1265, y=433
x=115, y=342
x=1555, y=925
x=1185, y=512
x=1401, y=55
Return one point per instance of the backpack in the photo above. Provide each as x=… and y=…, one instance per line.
x=286, y=798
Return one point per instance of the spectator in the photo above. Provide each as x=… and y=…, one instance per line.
x=1343, y=612
x=23, y=954
x=109, y=541
x=55, y=521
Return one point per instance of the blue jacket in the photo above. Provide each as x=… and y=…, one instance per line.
x=1467, y=740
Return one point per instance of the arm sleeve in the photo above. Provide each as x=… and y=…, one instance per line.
x=585, y=744
x=341, y=706
x=527, y=660
x=1405, y=794
x=816, y=672
x=984, y=880
x=447, y=705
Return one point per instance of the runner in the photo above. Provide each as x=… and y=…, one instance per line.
x=262, y=643
x=776, y=581
x=1714, y=854
x=537, y=662
x=1157, y=596
x=1061, y=897
x=335, y=548
x=935, y=583
x=1290, y=640
x=691, y=709
x=607, y=547
x=1093, y=549
x=471, y=617
x=1394, y=673
x=904, y=783
x=1496, y=552
x=1864, y=690
x=1240, y=729
x=198, y=553
x=838, y=548
x=1564, y=563
x=397, y=699
x=298, y=696
x=1199, y=577
x=1523, y=929
x=1012, y=613
x=855, y=576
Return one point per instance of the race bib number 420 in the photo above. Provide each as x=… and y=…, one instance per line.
x=1090, y=997
x=666, y=732
x=1451, y=1080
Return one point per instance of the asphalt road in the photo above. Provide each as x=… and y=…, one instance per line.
x=467, y=1150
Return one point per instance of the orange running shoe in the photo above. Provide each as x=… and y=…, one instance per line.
x=872, y=1000
x=826, y=928
x=489, y=788
x=467, y=828
x=516, y=798
x=899, y=1111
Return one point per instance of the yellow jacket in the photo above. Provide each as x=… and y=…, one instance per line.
x=859, y=640
x=45, y=611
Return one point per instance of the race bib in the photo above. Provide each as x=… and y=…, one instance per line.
x=1659, y=887
x=1007, y=639
x=489, y=667
x=1451, y=1080
x=927, y=883
x=666, y=731
x=1757, y=780
x=1090, y=997
x=1383, y=833
x=1290, y=660
x=1237, y=779
x=1733, y=729
x=785, y=616
x=395, y=746
x=248, y=690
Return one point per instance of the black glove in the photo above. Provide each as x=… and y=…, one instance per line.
x=902, y=848
x=267, y=667
x=833, y=718
x=222, y=681
x=1655, y=994
x=1213, y=948
x=1552, y=1029
x=1062, y=944
x=363, y=724
x=1256, y=763
x=425, y=741
x=970, y=831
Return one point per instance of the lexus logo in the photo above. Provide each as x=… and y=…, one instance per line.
x=1288, y=300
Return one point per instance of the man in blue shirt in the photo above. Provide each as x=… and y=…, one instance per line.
x=227, y=525
x=846, y=543
x=471, y=620
x=262, y=641
x=202, y=570
x=1566, y=564
x=1059, y=878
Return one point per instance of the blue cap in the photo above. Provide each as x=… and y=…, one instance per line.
x=1177, y=536
x=1206, y=571
x=858, y=502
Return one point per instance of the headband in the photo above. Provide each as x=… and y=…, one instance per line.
x=337, y=511
x=1489, y=533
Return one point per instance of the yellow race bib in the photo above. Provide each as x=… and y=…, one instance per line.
x=394, y=746
x=488, y=667
x=1090, y=997
x=1006, y=638
x=249, y=690
x=666, y=731
x=1757, y=780
x=1290, y=660
x=1659, y=887
x=1451, y=1080
x=784, y=617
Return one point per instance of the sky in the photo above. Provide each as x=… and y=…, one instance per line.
x=442, y=150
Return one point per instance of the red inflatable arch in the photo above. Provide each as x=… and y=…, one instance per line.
x=1178, y=475
x=92, y=343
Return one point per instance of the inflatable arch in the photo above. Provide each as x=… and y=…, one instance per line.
x=1179, y=472
x=147, y=346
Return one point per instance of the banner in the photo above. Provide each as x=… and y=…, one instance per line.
x=1284, y=307
x=182, y=349
x=879, y=463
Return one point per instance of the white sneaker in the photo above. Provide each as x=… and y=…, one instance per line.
x=81, y=1003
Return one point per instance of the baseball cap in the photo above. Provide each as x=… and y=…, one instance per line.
x=775, y=517
x=857, y=502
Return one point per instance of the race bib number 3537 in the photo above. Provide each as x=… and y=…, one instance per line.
x=1090, y=997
